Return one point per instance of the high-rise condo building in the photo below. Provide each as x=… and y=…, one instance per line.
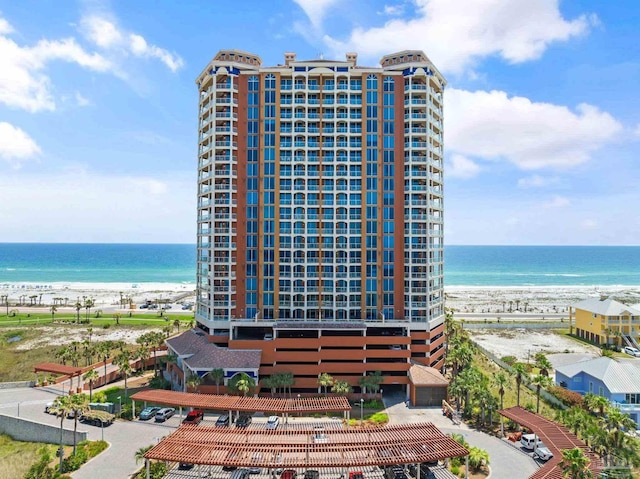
x=320, y=213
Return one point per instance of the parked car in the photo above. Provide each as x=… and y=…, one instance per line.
x=185, y=466
x=194, y=417
x=223, y=421
x=542, y=452
x=529, y=441
x=243, y=421
x=319, y=436
x=48, y=407
x=356, y=475
x=165, y=413
x=632, y=351
x=148, y=412
x=395, y=472
x=229, y=468
x=395, y=347
x=144, y=306
x=273, y=422
x=240, y=474
x=288, y=474
x=311, y=474
x=257, y=457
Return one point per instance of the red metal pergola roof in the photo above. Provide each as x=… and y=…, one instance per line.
x=57, y=369
x=556, y=437
x=244, y=404
x=294, y=446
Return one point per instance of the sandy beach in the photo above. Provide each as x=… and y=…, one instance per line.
x=532, y=300
x=104, y=295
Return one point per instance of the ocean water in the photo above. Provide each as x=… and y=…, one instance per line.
x=464, y=265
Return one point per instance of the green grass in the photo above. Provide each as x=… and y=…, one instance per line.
x=136, y=318
x=16, y=457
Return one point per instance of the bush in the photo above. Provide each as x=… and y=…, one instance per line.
x=373, y=404
x=510, y=360
x=379, y=418
x=99, y=397
x=41, y=469
x=530, y=407
x=157, y=470
x=74, y=461
x=158, y=382
x=106, y=326
x=455, y=470
x=569, y=398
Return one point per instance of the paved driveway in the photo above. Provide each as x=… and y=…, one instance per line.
x=507, y=462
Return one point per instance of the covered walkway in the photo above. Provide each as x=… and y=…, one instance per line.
x=556, y=437
x=306, y=448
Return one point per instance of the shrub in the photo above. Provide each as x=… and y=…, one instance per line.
x=510, y=360
x=373, y=404
x=157, y=470
x=99, y=397
x=455, y=470
x=530, y=407
x=569, y=398
x=74, y=461
x=379, y=418
x=158, y=382
x=106, y=326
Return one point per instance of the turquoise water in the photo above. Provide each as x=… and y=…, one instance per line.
x=464, y=265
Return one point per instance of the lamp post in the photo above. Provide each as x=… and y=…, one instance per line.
x=361, y=412
x=299, y=413
x=120, y=407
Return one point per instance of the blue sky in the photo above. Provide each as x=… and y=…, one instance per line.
x=98, y=109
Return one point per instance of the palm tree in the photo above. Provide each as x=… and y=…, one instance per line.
x=143, y=353
x=575, y=418
x=193, y=381
x=91, y=375
x=116, y=317
x=543, y=364
x=241, y=383
x=88, y=304
x=478, y=458
x=176, y=324
x=269, y=383
x=123, y=361
x=53, y=310
x=243, y=386
x=80, y=404
x=218, y=376
x=575, y=465
x=500, y=381
x=460, y=356
x=78, y=307
x=519, y=371
x=594, y=402
x=104, y=349
x=540, y=382
x=139, y=455
x=325, y=381
x=341, y=387
x=62, y=406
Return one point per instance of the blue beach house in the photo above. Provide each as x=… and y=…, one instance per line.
x=618, y=381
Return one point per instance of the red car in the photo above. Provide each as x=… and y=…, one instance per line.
x=356, y=475
x=194, y=417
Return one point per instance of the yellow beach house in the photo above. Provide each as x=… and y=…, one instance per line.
x=605, y=321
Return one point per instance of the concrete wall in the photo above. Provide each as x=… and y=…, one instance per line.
x=25, y=430
x=18, y=384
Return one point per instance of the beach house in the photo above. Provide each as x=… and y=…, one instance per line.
x=606, y=321
x=618, y=381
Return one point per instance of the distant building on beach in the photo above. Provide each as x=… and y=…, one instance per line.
x=605, y=321
x=320, y=214
x=618, y=381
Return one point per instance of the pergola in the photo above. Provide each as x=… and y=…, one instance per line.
x=59, y=369
x=243, y=404
x=556, y=437
x=303, y=447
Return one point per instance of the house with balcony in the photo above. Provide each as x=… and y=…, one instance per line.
x=605, y=321
x=616, y=380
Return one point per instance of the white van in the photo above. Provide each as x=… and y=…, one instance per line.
x=529, y=441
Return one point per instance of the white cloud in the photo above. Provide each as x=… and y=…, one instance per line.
x=557, y=202
x=16, y=145
x=392, y=10
x=537, y=181
x=107, y=35
x=315, y=10
x=23, y=80
x=529, y=134
x=636, y=132
x=81, y=100
x=98, y=207
x=461, y=167
x=456, y=34
x=589, y=224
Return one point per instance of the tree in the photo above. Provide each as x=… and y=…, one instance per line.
x=575, y=418
x=325, y=381
x=218, y=376
x=53, y=310
x=80, y=405
x=123, y=361
x=139, y=455
x=78, y=307
x=105, y=349
x=62, y=406
x=543, y=364
x=176, y=324
x=575, y=465
x=268, y=383
x=478, y=458
x=193, y=381
x=88, y=304
x=341, y=387
x=91, y=375
x=241, y=383
x=540, y=382
x=594, y=402
x=460, y=356
x=520, y=373
x=116, y=317
x=500, y=380
x=143, y=353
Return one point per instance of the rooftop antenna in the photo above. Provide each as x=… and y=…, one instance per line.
x=321, y=55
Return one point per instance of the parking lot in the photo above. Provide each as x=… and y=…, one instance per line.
x=125, y=438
